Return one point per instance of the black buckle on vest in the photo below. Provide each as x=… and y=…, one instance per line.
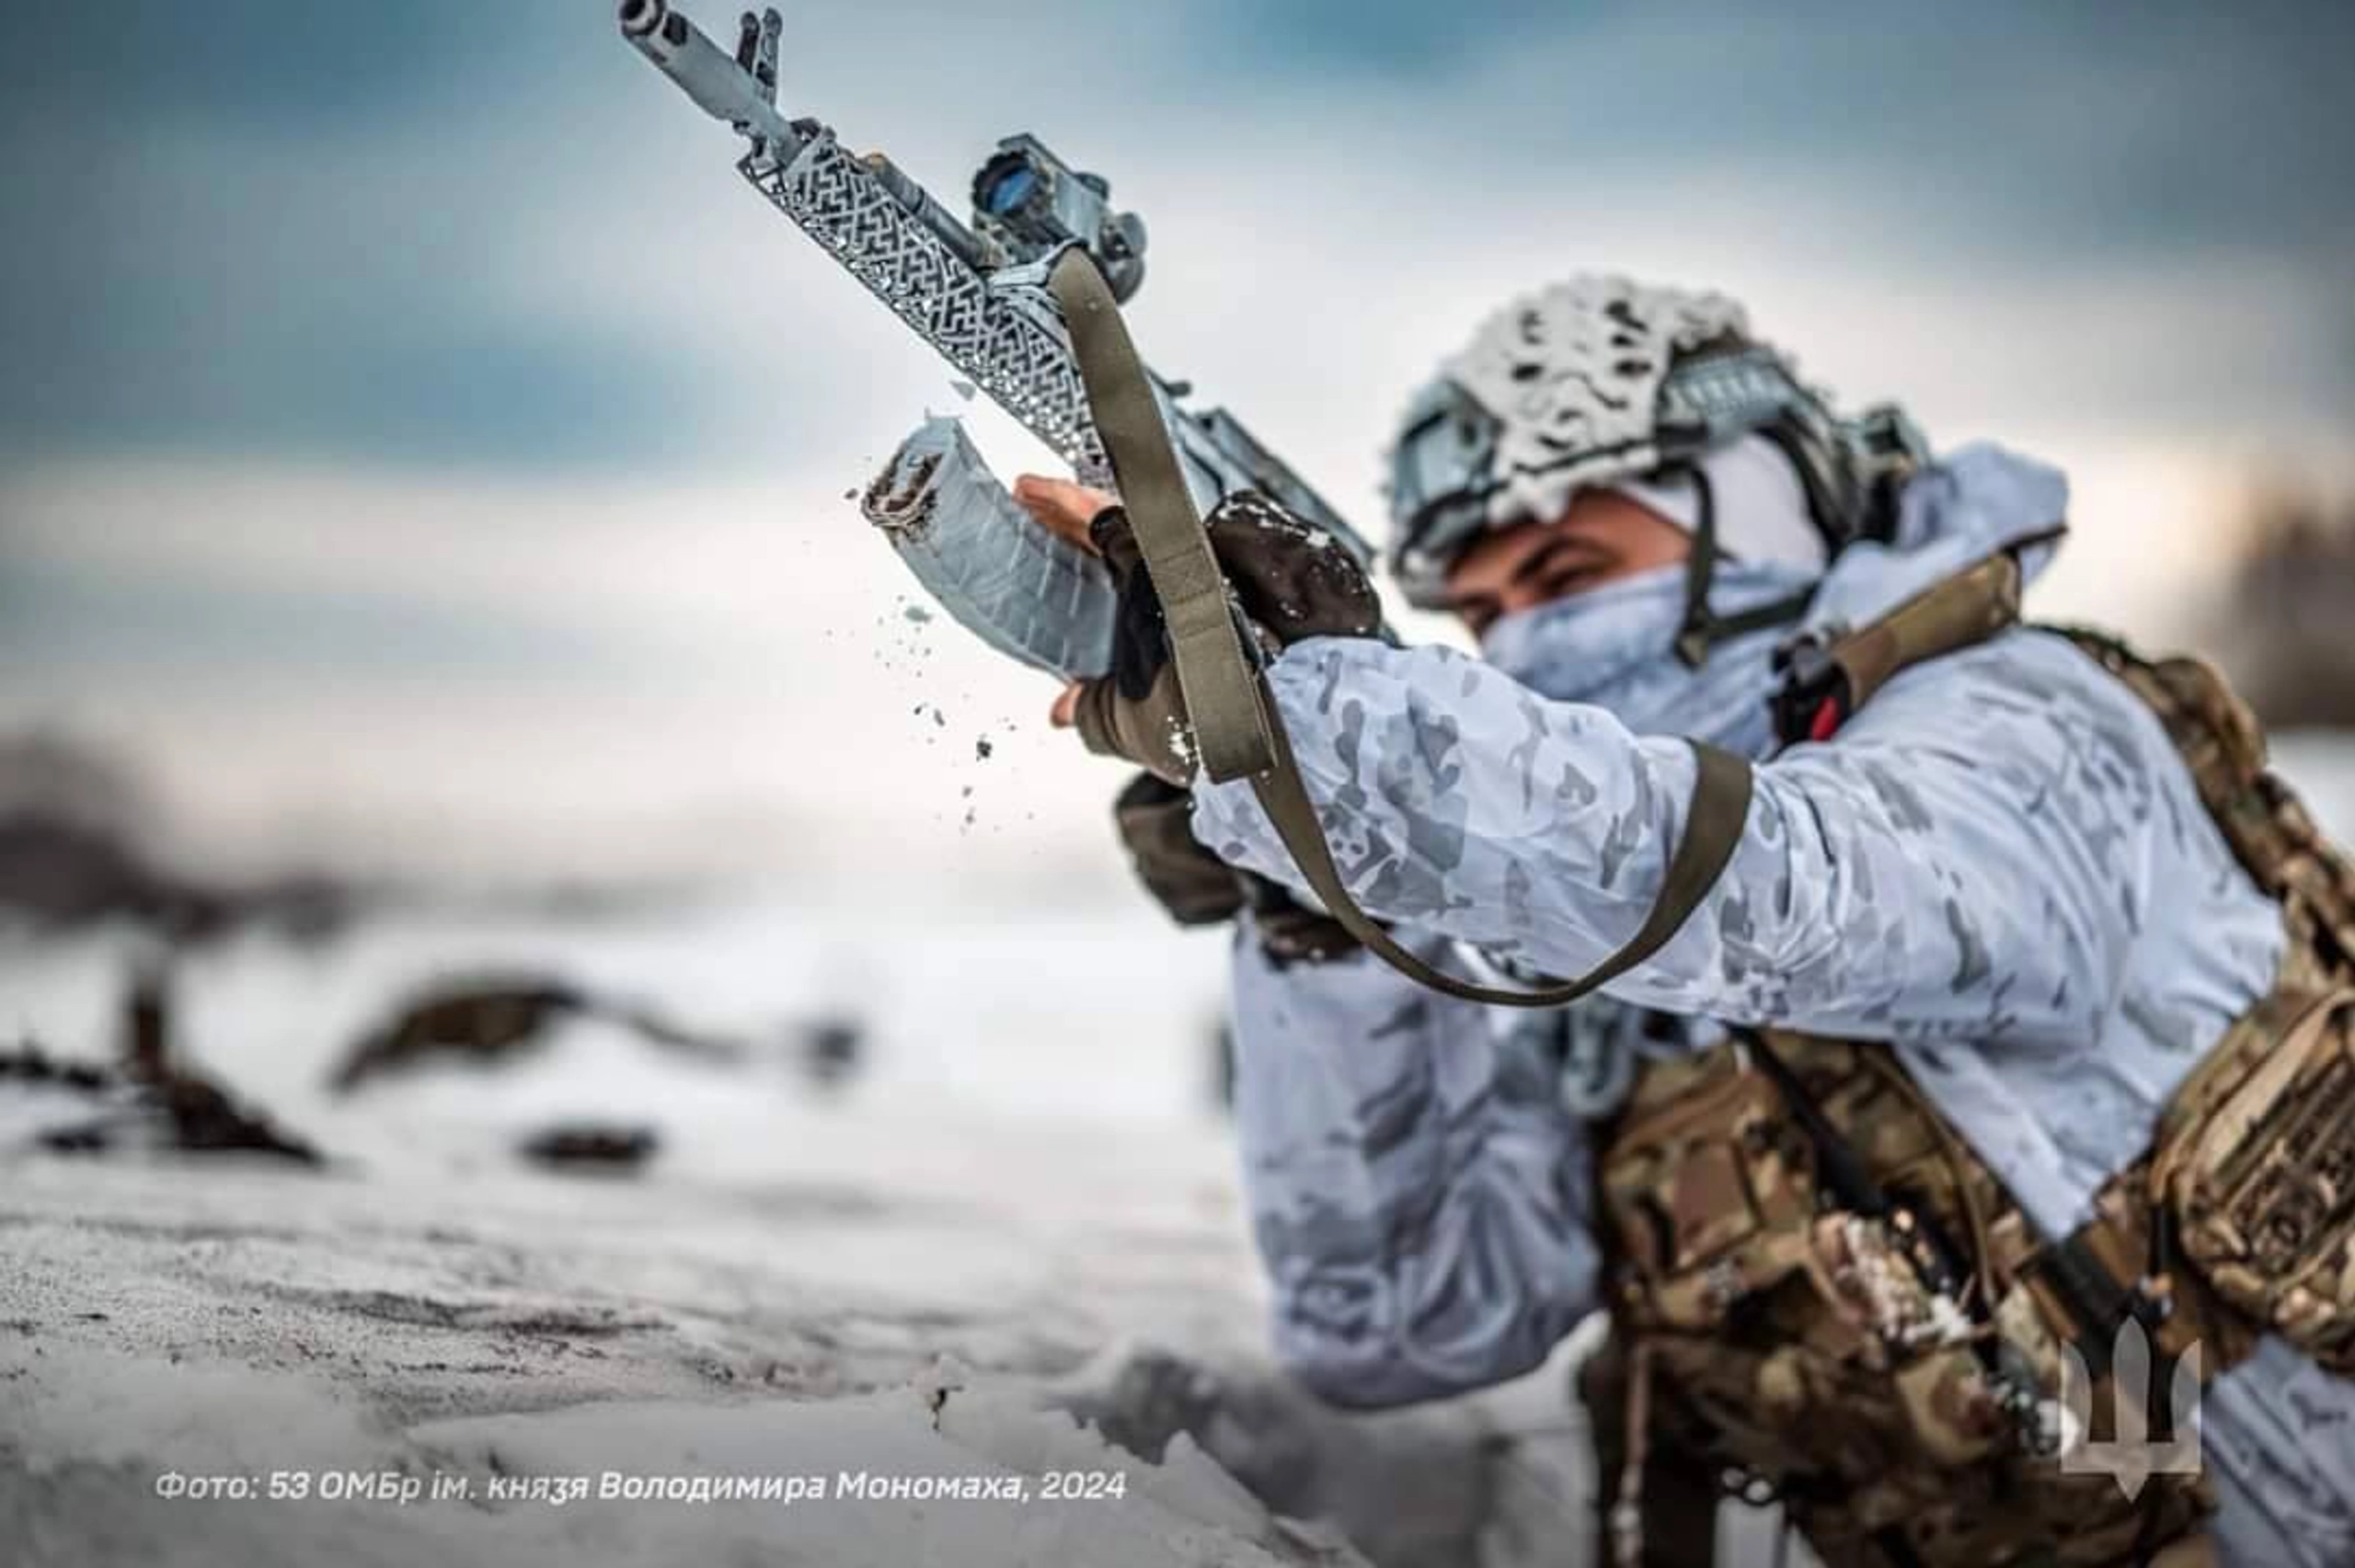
x=1812, y=702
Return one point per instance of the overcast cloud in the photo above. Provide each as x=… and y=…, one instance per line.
x=376, y=362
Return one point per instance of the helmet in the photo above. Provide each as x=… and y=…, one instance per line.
x=1597, y=380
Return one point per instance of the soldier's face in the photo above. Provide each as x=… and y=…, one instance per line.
x=1603, y=536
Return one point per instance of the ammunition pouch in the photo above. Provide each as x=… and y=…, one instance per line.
x=2254, y=1169
x=1886, y=1363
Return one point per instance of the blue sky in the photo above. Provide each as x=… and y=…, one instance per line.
x=365, y=350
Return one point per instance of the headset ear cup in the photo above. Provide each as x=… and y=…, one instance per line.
x=1831, y=486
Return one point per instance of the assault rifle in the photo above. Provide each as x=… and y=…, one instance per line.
x=977, y=293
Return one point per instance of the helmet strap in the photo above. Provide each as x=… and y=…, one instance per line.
x=1703, y=628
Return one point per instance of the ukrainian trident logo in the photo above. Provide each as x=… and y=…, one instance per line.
x=2132, y=1455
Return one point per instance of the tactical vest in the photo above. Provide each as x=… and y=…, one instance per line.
x=1824, y=1292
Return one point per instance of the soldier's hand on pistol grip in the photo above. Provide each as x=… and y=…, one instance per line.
x=1156, y=819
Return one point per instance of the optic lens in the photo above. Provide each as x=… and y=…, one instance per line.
x=1010, y=190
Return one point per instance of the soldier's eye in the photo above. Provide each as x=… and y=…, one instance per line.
x=1567, y=579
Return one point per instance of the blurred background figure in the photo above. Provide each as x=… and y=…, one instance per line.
x=2287, y=622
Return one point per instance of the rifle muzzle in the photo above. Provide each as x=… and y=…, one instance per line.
x=721, y=85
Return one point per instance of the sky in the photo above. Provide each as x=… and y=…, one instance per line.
x=422, y=452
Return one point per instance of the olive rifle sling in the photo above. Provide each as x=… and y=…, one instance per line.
x=1238, y=732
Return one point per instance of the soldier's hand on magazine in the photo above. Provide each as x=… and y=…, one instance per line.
x=1290, y=581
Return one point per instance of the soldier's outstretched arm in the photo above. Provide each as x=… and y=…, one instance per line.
x=1419, y=1197
x=1966, y=861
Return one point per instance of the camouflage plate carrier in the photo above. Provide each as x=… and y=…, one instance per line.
x=1824, y=1292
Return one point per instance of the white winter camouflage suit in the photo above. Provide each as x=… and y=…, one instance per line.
x=2000, y=866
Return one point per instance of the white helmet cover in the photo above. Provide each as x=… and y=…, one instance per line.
x=1572, y=374
x=1594, y=381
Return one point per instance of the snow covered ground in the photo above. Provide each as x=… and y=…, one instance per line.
x=1027, y=1180
x=1018, y=1183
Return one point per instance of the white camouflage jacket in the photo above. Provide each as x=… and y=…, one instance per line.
x=2000, y=867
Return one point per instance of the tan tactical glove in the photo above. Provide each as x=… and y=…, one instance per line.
x=1289, y=580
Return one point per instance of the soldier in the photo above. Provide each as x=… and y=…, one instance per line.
x=2014, y=1027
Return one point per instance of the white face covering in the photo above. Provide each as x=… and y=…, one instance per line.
x=1615, y=646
